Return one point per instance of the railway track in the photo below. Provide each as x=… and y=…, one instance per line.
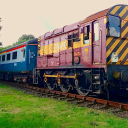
x=119, y=109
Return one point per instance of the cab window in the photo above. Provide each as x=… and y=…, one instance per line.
x=96, y=31
x=86, y=34
x=113, y=26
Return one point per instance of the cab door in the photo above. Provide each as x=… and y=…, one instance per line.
x=96, y=43
x=86, y=45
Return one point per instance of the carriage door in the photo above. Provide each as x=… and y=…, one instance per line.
x=96, y=45
x=32, y=56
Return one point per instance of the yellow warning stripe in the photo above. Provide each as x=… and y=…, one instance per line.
x=123, y=11
x=112, y=47
x=126, y=62
x=119, y=49
x=124, y=32
x=124, y=21
x=109, y=40
x=115, y=10
x=122, y=57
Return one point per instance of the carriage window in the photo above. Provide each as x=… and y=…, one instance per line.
x=113, y=26
x=24, y=53
x=8, y=56
x=96, y=31
x=86, y=35
x=14, y=55
x=3, y=58
x=69, y=40
x=0, y=58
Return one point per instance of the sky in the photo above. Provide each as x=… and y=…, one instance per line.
x=37, y=17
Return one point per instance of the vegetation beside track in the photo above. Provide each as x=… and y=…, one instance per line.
x=18, y=110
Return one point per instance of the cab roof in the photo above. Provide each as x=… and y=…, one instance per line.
x=117, y=10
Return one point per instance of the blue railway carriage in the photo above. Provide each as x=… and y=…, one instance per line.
x=17, y=63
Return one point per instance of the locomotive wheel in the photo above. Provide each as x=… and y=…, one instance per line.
x=82, y=86
x=50, y=86
x=65, y=86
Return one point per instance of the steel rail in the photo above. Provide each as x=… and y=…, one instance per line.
x=118, y=105
x=85, y=98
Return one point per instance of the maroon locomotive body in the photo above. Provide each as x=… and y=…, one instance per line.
x=86, y=55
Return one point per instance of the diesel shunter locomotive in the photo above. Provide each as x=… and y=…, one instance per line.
x=88, y=56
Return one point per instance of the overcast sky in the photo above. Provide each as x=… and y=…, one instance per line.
x=37, y=17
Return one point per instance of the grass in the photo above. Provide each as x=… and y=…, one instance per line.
x=20, y=110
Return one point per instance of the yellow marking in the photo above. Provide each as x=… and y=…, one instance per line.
x=109, y=61
x=60, y=76
x=56, y=49
x=76, y=44
x=105, y=20
x=46, y=50
x=85, y=45
x=86, y=49
x=123, y=11
x=42, y=50
x=109, y=40
x=90, y=37
x=119, y=49
x=106, y=32
x=122, y=57
x=77, y=53
x=126, y=62
x=124, y=32
x=2, y=52
x=63, y=45
x=50, y=46
x=126, y=18
x=82, y=37
x=115, y=10
x=123, y=23
x=112, y=47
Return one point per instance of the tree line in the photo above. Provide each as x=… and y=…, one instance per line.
x=22, y=39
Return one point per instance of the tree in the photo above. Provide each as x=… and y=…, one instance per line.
x=22, y=39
